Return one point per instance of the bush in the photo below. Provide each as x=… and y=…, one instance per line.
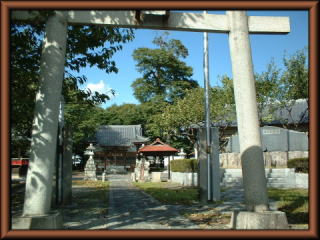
x=184, y=165
x=156, y=169
x=300, y=164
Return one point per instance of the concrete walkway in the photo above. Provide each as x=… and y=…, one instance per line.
x=131, y=208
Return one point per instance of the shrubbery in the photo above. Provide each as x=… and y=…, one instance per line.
x=156, y=169
x=184, y=165
x=300, y=164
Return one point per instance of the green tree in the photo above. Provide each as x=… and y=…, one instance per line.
x=126, y=114
x=280, y=88
x=24, y=60
x=294, y=80
x=132, y=114
x=165, y=76
x=267, y=90
x=177, y=121
x=294, y=83
x=86, y=46
x=84, y=119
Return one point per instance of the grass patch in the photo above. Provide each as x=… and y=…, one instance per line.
x=294, y=202
x=92, y=190
x=169, y=193
x=97, y=184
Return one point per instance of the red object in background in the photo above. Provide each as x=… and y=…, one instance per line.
x=158, y=146
x=20, y=162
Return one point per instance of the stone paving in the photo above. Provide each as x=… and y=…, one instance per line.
x=131, y=208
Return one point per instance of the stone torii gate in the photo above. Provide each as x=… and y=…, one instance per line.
x=236, y=23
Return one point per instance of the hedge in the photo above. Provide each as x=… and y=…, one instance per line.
x=300, y=164
x=184, y=165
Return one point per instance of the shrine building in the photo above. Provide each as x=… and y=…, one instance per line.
x=117, y=145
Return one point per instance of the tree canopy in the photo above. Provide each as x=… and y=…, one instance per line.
x=275, y=89
x=165, y=76
x=280, y=88
x=176, y=123
x=86, y=46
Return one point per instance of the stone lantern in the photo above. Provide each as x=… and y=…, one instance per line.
x=90, y=168
x=182, y=154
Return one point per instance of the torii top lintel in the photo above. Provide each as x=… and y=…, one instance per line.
x=194, y=22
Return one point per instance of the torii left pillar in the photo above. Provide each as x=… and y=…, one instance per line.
x=37, y=212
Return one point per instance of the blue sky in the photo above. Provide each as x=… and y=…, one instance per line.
x=264, y=48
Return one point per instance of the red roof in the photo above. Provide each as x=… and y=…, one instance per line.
x=157, y=146
x=20, y=162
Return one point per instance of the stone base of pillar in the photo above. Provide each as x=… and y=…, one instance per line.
x=52, y=220
x=259, y=220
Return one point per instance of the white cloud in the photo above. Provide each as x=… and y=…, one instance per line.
x=97, y=87
x=100, y=87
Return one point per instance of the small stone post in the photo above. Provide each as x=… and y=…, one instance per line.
x=203, y=166
x=67, y=168
x=103, y=179
x=215, y=164
x=142, y=178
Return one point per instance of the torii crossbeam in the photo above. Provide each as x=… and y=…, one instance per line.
x=193, y=22
x=236, y=23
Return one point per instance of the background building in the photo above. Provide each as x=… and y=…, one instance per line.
x=117, y=145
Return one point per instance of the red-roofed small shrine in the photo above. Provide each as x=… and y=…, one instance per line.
x=157, y=148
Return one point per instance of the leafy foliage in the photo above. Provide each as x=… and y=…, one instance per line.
x=184, y=165
x=279, y=89
x=86, y=46
x=176, y=122
x=294, y=80
x=126, y=114
x=24, y=72
x=164, y=76
x=267, y=89
x=84, y=119
x=300, y=164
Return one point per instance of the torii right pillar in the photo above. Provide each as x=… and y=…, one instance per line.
x=258, y=215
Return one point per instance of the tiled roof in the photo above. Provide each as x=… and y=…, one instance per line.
x=157, y=146
x=119, y=135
